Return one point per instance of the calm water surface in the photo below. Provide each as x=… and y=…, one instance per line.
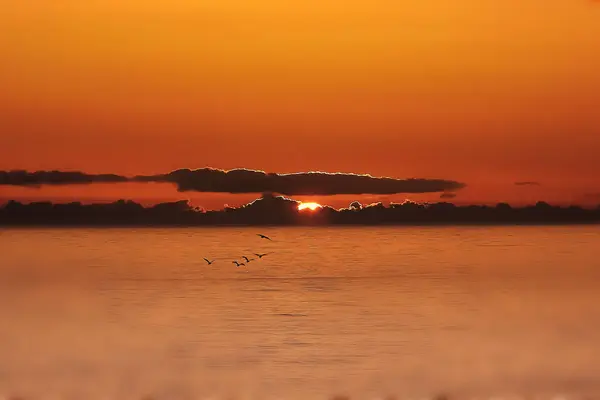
x=469, y=311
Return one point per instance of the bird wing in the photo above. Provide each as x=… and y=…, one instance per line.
x=207, y=260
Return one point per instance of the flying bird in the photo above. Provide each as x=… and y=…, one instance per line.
x=247, y=259
x=264, y=237
x=261, y=255
x=237, y=264
x=209, y=262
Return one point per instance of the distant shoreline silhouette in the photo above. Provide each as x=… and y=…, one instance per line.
x=279, y=210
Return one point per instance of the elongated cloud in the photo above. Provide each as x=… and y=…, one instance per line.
x=528, y=183
x=24, y=178
x=302, y=183
x=447, y=195
x=245, y=181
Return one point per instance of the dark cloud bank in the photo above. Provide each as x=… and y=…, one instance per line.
x=279, y=210
x=246, y=181
x=302, y=183
x=24, y=178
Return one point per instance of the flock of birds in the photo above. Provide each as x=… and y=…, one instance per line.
x=247, y=259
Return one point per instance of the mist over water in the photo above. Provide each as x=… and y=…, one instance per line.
x=366, y=312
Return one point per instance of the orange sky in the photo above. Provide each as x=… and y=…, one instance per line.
x=486, y=92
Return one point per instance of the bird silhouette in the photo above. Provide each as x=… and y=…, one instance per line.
x=264, y=236
x=237, y=264
x=247, y=259
x=209, y=262
x=261, y=255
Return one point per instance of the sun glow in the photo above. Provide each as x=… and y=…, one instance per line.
x=309, y=206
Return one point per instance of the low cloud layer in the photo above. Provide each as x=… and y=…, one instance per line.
x=528, y=183
x=447, y=195
x=245, y=181
x=303, y=183
x=24, y=178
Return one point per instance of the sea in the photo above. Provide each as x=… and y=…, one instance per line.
x=405, y=313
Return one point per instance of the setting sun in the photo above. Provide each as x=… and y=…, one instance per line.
x=309, y=206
